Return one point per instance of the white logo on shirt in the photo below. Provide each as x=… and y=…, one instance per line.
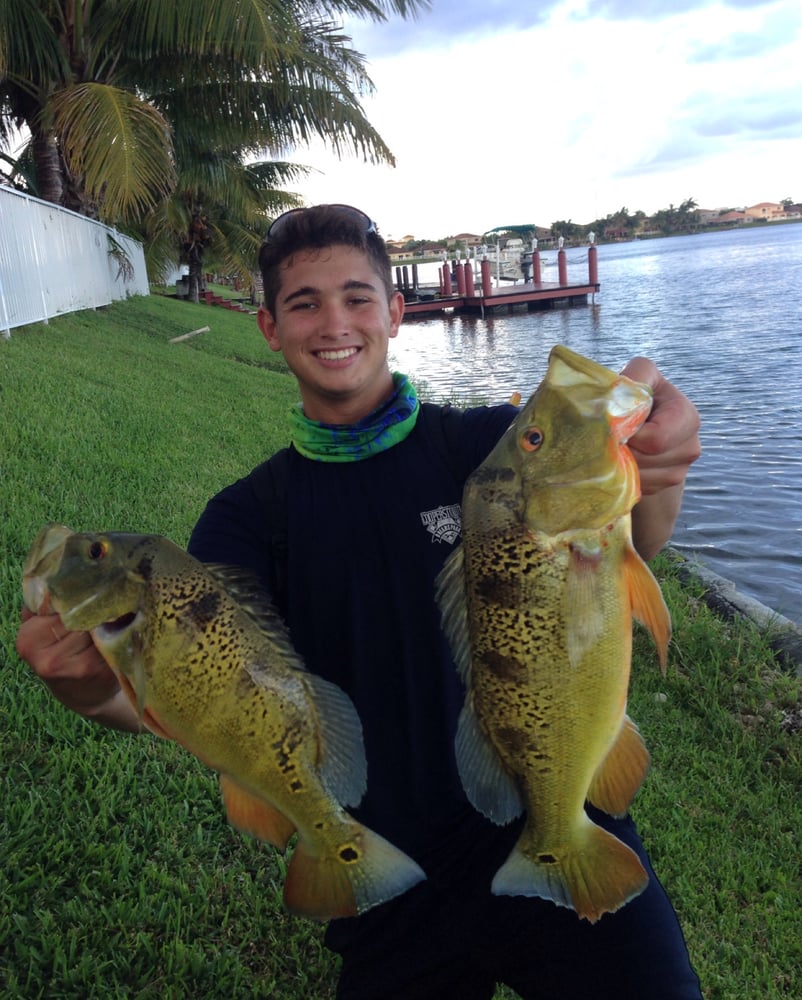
x=444, y=523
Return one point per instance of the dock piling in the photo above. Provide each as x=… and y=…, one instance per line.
x=562, y=267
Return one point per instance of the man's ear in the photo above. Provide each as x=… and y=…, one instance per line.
x=267, y=325
x=396, y=306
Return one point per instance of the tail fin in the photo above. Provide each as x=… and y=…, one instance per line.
x=359, y=874
x=594, y=875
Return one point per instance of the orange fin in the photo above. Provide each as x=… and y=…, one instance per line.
x=621, y=773
x=647, y=602
x=348, y=879
x=253, y=815
x=317, y=888
x=594, y=875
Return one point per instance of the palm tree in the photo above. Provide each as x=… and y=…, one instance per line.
x=130, y=101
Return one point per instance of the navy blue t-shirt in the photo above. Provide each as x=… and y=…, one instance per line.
x=365, y=542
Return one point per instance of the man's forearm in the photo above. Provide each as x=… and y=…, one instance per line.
x=653, y=519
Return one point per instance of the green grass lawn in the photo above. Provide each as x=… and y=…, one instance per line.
x=120, y=875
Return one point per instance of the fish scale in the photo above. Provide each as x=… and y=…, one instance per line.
x=538, y=605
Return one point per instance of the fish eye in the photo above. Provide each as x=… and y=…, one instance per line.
x=532, y=439
x=97, y=551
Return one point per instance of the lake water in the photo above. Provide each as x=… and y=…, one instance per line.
x=721, y=316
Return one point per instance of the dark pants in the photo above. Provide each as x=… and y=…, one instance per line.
x=449, y=937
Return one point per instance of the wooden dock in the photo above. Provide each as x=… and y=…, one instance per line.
x=472, y=297
x=541, y=296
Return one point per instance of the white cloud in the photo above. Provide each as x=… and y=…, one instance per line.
x=574, y=111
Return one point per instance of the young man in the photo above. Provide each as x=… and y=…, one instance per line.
x=353, y=574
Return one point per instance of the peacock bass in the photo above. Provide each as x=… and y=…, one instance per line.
x=207, y=663
x=538, y=605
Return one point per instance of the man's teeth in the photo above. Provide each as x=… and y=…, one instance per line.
x=340, y=355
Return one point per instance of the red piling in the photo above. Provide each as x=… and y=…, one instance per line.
x=562, y=268
x=460, y=269
x=537, y=274
x=487, y=283
x=593, y=266
x=447, y=288
x=470, y=288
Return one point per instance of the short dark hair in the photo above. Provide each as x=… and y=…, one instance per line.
x=317, y=228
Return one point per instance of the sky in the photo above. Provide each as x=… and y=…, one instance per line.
x=504, y=113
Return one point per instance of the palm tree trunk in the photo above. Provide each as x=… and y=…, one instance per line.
x=195, y=277
x=47, y=160
x=194, y=247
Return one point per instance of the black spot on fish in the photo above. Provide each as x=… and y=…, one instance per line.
x=488, y=475
x=547, y=859
x=145, y=567
x=285, y=749
x=504, y=666
x=348, y=854
x=500, y=589
x=203, y=609
x=511, y=740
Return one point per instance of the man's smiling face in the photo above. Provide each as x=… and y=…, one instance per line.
x=333, y=324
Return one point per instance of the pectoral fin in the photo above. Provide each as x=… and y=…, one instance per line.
x=647, y=602
x=583, y=606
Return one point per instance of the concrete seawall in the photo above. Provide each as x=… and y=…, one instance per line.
x=721, y=596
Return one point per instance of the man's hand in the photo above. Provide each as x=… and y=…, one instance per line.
x=668, y=443
x=74, y=671
x=664, y=448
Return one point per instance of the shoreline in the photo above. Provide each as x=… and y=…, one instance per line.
x=722, y=596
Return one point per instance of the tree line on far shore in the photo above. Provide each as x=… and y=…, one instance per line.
x=621, y=225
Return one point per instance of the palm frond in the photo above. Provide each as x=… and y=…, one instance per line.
x=30, y=51
x=119, y=144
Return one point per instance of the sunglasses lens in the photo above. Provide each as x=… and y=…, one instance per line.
x=279, y=224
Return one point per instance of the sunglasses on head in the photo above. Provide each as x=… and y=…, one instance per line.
x=369, y=226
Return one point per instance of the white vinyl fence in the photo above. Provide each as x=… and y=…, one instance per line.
x=54, y=261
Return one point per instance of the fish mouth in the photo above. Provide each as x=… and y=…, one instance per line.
x=43, y=558
x=581, y=477
x=111, y=629
x=36, y=595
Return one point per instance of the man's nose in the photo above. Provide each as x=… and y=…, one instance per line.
x=334, y=319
